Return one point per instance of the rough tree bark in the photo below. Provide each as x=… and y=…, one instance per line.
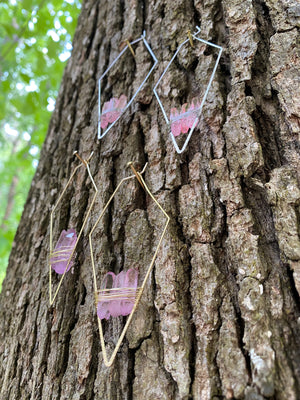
x=220, y=317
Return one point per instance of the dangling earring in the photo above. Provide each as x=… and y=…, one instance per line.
x=113, y=109
x=120, y=294
x=61, y=258
x=186, y=119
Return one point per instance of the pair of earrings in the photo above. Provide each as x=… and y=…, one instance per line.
x=179, y=122
x=119, y=295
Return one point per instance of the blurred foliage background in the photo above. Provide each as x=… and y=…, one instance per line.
x=35, y=43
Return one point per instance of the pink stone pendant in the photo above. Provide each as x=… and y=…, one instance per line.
x=117, y=294
x=181, y=123
x=62, y=259
x=103, y=306
x=112, y=110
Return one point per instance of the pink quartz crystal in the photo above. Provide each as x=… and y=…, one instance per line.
x=103, y=307
x=120, y=298
x=181, y=123
x=112, y=109
x=175, y=122
x=60, y=258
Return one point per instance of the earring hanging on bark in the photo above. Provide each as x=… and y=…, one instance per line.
x=186, y=119
x=61, y=258
x=113, y=109
x=120, y=294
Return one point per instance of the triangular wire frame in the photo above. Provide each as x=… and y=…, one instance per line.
x=85, y=164
x=128, y=46
x=138, y=175
x=193, y=36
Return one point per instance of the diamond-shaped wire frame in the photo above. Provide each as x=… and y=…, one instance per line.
x=85, y=164
x=128, y=46
x=180, y=150
x=138, y=175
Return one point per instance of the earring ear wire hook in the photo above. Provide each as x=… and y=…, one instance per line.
x=85, y=162
x=137, y=174
x=190, y=37
x=130, y=47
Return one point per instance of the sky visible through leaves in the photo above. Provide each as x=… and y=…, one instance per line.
x=35, y=43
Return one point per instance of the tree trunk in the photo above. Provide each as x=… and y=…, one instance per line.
x=220, y=316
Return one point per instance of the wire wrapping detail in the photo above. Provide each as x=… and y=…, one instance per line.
x=116, y=301
x=117, y=294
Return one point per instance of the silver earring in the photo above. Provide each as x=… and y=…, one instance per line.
x=186, y=119
x=113, y=109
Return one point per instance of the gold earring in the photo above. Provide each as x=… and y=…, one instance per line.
x=120, y=294
x=61, y=258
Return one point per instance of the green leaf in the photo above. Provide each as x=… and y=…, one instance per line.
x=25, y=78
x=10, y=30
